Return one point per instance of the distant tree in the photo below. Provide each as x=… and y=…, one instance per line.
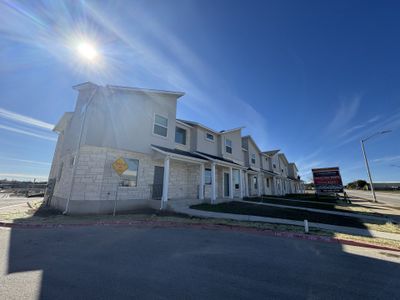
x=357, y=185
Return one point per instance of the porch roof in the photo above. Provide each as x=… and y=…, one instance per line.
x=213, y=157
x=269, y=172
x=179, y=153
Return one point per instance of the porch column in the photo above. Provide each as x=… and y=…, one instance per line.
x=213, y=187
x=246, y=177
x=241, y=182
x=164, y=198
x=230, y=183
x=201, y=184
x=259, y=184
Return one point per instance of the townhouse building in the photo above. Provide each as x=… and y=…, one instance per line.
x=124, y=146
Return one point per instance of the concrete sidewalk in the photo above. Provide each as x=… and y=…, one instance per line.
x=180, y=207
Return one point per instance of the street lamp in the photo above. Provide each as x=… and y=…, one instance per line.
x=366, y=160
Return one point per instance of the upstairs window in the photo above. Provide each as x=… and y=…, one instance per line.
x=180, y=136
x=209, y=137
x=228, y=146
x=253, y=159
x=274, y=166
x=160, y=125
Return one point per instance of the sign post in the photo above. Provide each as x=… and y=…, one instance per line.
x=327, y=180
x=119, y=166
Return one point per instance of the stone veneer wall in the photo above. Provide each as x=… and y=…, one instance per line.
x=96, y=183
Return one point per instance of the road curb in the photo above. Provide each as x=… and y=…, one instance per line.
x=169, y=224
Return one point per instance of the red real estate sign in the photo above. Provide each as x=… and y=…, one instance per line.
x=328, y=180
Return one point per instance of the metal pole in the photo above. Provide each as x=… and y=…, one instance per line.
x=369, y=172
x=115, y=202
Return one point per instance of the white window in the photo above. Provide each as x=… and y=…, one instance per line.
x=209, y=137
x=180, y=136
x=228, y=146
x=130, y=176
x=253, y=159
x=160, y=125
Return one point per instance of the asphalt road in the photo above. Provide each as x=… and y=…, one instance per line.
x=105, y=262
x=392, y=199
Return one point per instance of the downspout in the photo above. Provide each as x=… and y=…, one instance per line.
x=78, y=149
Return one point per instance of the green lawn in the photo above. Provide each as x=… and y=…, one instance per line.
x=235, y=207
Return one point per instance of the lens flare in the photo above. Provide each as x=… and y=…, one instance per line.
x=87, y=51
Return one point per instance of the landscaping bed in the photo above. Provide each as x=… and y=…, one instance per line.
x=346, y=208
x=311, y=197
x=235, y=207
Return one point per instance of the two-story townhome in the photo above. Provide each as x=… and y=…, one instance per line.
x=252, y=159
x=124, y=147
x=222, y=149
x=296, y=185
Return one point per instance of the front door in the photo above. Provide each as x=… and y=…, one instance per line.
x=158, y=182
x=226, y=184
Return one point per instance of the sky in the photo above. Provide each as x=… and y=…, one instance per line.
x=311, y=78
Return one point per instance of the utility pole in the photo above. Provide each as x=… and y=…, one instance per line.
x=368, y=170
x=366, y=160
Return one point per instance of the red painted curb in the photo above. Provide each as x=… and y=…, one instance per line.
x=169, y=224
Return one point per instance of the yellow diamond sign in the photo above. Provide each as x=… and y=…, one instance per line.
x=120, y=166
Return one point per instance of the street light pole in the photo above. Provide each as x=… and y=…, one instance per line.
x=366, y=160
x=369, y=172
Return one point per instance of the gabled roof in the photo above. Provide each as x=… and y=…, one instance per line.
x=271, y=152
x=146, y=91
x=253, y=141
x=282, y=155
x=213, y=157
x=192, y=123
x=231, y=130
x=179, y=152
x=294, y=165
x=89, y=84
x=60, y=126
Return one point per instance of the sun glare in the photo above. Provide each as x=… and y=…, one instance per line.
x=87, y=51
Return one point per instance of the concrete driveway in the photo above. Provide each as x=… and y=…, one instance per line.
x=391, y=199
x=101, y=262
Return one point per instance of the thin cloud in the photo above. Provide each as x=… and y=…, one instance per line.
x=389, y=123
x=346, y=112
x=26, y=161
x=360, y=126
x=29, y=133
x=387, y=159
x=6, y=114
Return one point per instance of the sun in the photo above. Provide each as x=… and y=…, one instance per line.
x=87, y=51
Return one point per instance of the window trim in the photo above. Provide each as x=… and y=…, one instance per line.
x=226, y=146
x=251, y=158
x=126, y=178
x=206, y=137
x=183, y=144
x=154, y=123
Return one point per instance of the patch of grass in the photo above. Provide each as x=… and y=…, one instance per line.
x=286, y=213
